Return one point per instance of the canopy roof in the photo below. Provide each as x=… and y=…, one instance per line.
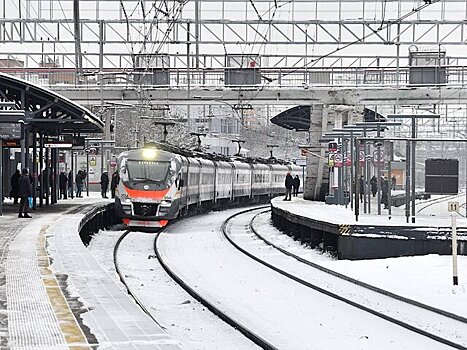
x=46, y=109
x=298, y=118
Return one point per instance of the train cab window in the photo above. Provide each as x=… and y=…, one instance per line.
x=147, y=171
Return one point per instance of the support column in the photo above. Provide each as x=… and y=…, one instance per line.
x=34, y=169
x=315, y=185
x=41, y=169
x=317, y=176
x=46, y=177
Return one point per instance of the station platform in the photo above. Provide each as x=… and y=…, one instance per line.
x=54, y=295
x=335, y=227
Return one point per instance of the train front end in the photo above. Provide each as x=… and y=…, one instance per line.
x=148, y=192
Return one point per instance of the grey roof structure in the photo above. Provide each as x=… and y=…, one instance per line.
x=46, y=109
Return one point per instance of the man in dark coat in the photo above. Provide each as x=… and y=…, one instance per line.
x=361, y=189
x=296, y=185
x=384, y=191
x=62, y=181
x=393, y=183
x=70, y=184
x=288, y=187
x=104, y=184
x=24, y=192
x=15, y=186
x=114, y=183
x=79, y=183
x=374, y=185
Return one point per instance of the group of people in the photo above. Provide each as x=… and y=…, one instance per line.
x=21, y=187
x=384, y=184
x=291, y=184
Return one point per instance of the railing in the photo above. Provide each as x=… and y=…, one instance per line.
x=182, y=78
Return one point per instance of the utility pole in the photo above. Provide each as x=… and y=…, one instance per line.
x=78, y=57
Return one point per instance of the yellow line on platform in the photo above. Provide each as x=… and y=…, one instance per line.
x=70, y=328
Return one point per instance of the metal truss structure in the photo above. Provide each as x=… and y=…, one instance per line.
x=354, y=42
x=201, y=33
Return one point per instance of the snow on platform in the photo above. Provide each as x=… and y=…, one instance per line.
x=54, y=294
x=372, y=236
x=338, y=215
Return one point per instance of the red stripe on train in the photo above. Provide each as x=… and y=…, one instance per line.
x=146, y=193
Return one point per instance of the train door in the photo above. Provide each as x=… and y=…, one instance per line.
x=216, y=178
x=183, y=184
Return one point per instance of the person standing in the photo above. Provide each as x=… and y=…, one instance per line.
x=384, y=191
x=15, y=186
x=114, y=183
x=24, y=192
x=62, y=181
x=393, y=182
x=296, y=185
x=70, y=184
x=288, y=187
x=361, y=188
x=374, y=185
x=84, y=175
x=104, y=184
x=79, y=183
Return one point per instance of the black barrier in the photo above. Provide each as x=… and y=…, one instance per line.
x=442, y=176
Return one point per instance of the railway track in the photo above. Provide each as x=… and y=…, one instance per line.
x=122, y=278
x=439, y=200
x=410, y=314
x=240, y=231
x=256, y=338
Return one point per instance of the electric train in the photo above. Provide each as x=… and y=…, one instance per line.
x=159, y=183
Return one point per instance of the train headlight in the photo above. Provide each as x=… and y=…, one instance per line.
x=166, y=203
x=149, y=153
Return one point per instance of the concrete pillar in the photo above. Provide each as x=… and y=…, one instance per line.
x=317, y=176
x=324, y=118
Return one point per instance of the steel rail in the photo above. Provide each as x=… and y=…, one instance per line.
x=331, y=294
x=355, y=281
x=223, y=316
x=438, y=200
x=122, y=279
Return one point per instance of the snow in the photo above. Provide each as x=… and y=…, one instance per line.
x=337, y=214
x=427, y=279
x=285, y=313
x=185, y=319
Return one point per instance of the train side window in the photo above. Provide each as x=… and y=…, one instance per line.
x=178, y=182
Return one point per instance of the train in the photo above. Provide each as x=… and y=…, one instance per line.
x=159, y=183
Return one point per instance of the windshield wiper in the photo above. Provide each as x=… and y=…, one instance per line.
x=147, y=180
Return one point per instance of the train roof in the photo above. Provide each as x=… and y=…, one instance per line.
x=210, y=156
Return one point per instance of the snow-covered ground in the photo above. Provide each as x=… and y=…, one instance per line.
x=427, y=279
x=434, y=215
x=185, y=319
x=284, y=311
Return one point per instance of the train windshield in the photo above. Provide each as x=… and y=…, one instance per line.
x=147, y=171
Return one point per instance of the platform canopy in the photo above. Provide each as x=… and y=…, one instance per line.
x=298, y=118
x=47, y=110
